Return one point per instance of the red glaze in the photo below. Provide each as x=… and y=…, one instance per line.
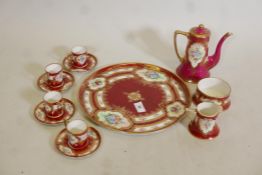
x=153, y=96
x=214, y=59
x=195, y=127
x=194, y=130
x=81, y=145
x=55, y=79
x=54, y=110
x=201, y=97
x=82, y=139
x=187, y=73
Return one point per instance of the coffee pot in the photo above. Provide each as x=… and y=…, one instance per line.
x=196, y=63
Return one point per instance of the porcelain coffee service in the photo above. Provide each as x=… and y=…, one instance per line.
x=135, y=98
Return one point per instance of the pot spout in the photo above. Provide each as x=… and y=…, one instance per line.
x=214, y=59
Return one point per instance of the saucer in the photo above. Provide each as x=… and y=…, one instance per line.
x=62, y=145
x=68, y=82
x=40, y=115
x=91, y=63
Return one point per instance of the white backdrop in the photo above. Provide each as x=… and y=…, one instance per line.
x=35, y=33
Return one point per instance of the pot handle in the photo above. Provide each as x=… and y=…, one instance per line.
x=175, y=42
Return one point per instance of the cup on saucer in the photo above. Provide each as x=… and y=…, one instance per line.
x=54, y=109
x=55, y=78
x=79, y=60
x=77, y=140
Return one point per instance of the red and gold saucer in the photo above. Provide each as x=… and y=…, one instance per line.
x=91, y=63
x=62, y=145
x=68, y=82
x=40, y=114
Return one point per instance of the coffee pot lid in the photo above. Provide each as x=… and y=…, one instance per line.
x=200, y=31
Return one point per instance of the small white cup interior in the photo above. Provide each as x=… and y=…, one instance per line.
x=78, y=50
x=214, y=87
x=53, y=68
x=76, y=126
x=208, y=109
x=53, y=97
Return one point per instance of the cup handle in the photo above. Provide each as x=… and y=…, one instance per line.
x=177, y=32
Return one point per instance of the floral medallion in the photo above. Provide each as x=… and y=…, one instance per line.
x=206, y=125
x=97, y=83
x=196, y=54
x=175, y=109
x=115, y=120
x=152, y=75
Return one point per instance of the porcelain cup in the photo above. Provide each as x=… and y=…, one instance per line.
x=80, y=58
x=204, y=125
x=55, y=75
x=215, y=90
x=77, y=132
x=53, y=105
